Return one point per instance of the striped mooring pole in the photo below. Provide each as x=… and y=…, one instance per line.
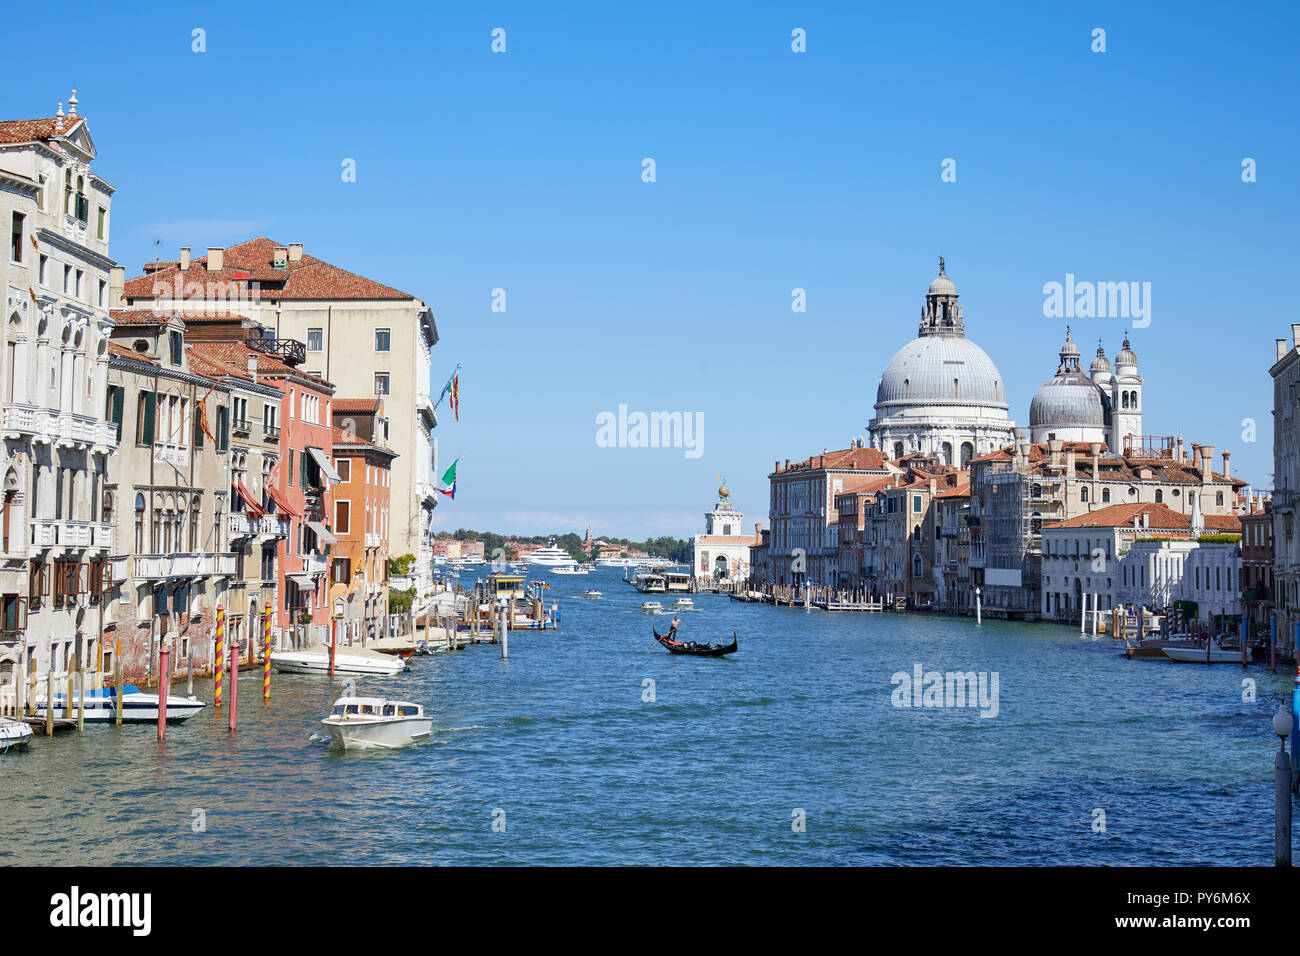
x=219, y=664
x=266, y=654
x=234, y=682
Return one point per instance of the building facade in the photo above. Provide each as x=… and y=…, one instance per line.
x=359, y=568
x=721, y=553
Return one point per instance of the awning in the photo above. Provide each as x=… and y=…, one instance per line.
x=303, y=581
x=279, y=500
x=323, y=461
x=254, y=509
x=322, y=532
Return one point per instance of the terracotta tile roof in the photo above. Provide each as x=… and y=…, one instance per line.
x=137, y=317
x=32, y=130
x=860, y=459
x=121, y=351
x=234, y=355
x=202, y=363
x=251, y=261
x=355, y=405
x=1159, y=517
x=343, y=437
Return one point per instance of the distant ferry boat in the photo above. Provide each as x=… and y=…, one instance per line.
x=617, y=562
x=549, y=555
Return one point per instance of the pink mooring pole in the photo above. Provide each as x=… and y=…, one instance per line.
x=234, y=681
x=164, y=659
x=334, y=628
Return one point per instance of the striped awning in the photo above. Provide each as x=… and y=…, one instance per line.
x=278, y=498
x=254, y=509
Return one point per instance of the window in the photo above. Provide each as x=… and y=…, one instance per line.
x=916, y=504
x=382, y=339
x=342, y=516
x=113, y=411
x=16, y=238
x=14, y=609
x=1160, y=495
x=67, y=278
x=344, y=467
x=341, y=571
x=223, y=428
x=177, y=343
x=315, y=340
x=101, y=225
x=290, y=456
x=381, y=383
x=1083, y=494
x=1105, y=495
x=198, y=426
x=103, y=293
x=144, y=426
x=44, y=277
x=81, y=285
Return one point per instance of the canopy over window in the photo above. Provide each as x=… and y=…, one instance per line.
x=250, y=503
x=322, y=532
x=325, y=467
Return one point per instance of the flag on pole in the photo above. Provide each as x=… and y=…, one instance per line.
x=203, y=415
x=450, y=494
x=452, y=388
x=449, y=476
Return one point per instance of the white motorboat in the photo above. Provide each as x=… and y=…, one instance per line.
x=618, y=562
x=649, y=582
x=362, y=723
x=14, y=734
x=1214, y=654
x=549, y=555
x=353, y=661
x=137, y=706
x=592, y=594
x=651, y=607
x=570, y=569
x=683, y=604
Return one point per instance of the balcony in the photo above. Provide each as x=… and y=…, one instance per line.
x=289, y=351
x=119, y=567
x=271, y=433
x=273, y=526
x=241, y=526
x=314, y=564
x=240, y=427
x=44, y=533
x=372, y=540
x=171, y=453
x=424, y=405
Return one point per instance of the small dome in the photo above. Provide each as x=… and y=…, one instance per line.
x=1126, y=356
x=1069, y=348
x=1100, y=363
x=1068, y=401
x=942, y=285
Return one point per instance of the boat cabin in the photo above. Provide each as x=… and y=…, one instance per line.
x=375, y=707
x=502, y=585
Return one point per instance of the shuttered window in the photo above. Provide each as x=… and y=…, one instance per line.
x=144, y=419
x=114, y=410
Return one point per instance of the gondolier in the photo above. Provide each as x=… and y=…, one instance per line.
x=672, y=628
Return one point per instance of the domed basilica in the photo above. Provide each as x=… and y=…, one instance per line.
x=942, y=396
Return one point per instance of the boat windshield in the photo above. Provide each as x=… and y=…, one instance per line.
x=409, y=710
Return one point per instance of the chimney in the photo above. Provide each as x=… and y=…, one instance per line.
x=280, y=257
x=116, y=280
x=295, y=252
x=1180, y=447
x=1207, y=462
x=252, y=366
x=1227, y=472
x=1054, y=446
x=776, y=465
x=216, y=258
x=1281, y=349
x=185, y=258
x=1069, y=463
x=787, y=464
x=1295, y=334
x=932, y=488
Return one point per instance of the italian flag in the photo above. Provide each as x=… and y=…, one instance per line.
x=449, y=479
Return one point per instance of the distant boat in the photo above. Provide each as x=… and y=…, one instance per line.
x=14, y=734
x=1213, y=654
x=570, y=569
x=137, y=707
x=683, y=604
x=698, y=650
x=651, y=607
x=362, y=723
x=549, y=555
x=592, y=594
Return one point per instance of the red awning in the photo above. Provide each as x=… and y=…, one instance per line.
x=279, y=500
x=254, y=509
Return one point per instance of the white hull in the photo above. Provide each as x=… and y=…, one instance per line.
x=1196, y=655
x=549, y=560
x=386, y=733
x=14, y=734
x=137, y=708
x=315, y=662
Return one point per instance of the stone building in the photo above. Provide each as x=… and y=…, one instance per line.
x=367, y=339
x=168, y=494
x=722, y=552
x=1286, y=490
x=1257, y=562
x=54, y=540
x=1103, y=406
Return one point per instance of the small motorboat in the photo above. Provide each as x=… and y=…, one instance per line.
x=354, y=661
x=137, y=706
x=569, y=569
x=683, y=604
x=651, y=607
x=1212, y=653
x=592, y=594
x=698, y=650
x=14, y=734
x=363, y=723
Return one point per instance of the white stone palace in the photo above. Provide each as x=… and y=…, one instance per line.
x=722, y=552
x=941, y=395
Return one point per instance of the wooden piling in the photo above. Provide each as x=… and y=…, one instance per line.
x=49, y=698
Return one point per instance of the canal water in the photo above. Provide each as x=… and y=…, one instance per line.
x=593, y=745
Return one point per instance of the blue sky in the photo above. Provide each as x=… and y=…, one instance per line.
x=774, y=170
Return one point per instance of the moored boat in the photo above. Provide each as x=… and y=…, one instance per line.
x=1212, y=653
x=137, y=706
x=362, y=723
x=14, y=734
x=356, y=661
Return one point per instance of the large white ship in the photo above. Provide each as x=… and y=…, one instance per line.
x=549, y=555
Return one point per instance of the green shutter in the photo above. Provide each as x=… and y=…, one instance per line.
x=198, y=428
x=290, y=457
x=115, y=395
x=223, y=432
x=146, y=418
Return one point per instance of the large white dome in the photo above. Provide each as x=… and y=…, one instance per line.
x=939, y=370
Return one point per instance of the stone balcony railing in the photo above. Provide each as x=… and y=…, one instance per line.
x=52, y=425
x=372, y=540
x=242, y=526
x=193, y=565
x=314, y=564
x=67, y=533
x=170, y=453
x=119, y=563
x=274, y=527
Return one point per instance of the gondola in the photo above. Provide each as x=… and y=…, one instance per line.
x=698, y=650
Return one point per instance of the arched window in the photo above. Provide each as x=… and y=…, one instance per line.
x=1123, y=399
x=916, y=565
x=139, y=525
x=1218, y=499
x=967, y=453
x=1083, y=494
x=1160, y=495
x=1105, y=496
x=947, y=450
x=898, y=450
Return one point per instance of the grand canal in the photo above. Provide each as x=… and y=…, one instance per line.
x=555, y=756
